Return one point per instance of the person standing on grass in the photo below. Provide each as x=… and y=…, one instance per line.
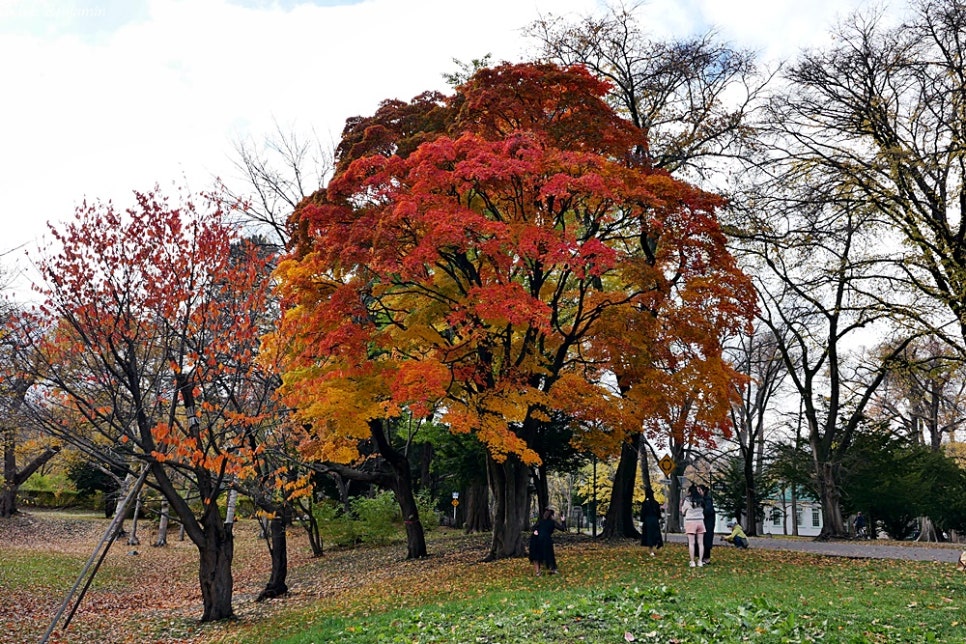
x=709, y=521
x=651, y=522
x=860, y=525
x=541, y=542
x=692, y=509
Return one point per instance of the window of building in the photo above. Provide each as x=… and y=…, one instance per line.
x=816, y=518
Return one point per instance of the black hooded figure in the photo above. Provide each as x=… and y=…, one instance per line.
x=709, y=521
x=651, y=522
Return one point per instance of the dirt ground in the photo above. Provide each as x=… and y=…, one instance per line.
x=148, y=594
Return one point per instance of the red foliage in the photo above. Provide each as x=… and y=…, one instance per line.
x=520, y=244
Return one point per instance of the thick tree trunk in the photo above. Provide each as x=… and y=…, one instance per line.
x=8, y=499
x=214, y=572
x=508, y=485
x=415, y=536
x=834, y=525
x=279, y=550
x=620, y=514
x=477, y=508
x=402, y=484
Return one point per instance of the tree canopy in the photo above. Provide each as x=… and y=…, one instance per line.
x=501, y=254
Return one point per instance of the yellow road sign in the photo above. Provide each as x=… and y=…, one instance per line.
x=667, y=465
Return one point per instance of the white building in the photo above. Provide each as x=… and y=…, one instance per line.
x=778, y=516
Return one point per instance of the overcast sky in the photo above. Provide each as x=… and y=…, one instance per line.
x=103, y=97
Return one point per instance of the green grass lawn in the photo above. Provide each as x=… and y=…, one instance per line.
x=606, y=592
x=614, y=593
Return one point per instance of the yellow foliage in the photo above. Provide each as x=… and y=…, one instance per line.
x=606, y=469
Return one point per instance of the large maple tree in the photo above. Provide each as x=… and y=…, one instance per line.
x=498, y=256
x=151, y=319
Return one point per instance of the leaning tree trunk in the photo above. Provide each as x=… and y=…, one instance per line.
x=402, y=486
x=12, y=479
x=620, y=514
x=279, y=551
x=477, y=504
x=508, y=485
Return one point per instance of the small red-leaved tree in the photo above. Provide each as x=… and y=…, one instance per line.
x=152, y=319
x=486, y=255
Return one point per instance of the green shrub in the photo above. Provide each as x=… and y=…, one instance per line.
x=378, y=518
x=46, y=491
x=428, y=515
x=334, y=525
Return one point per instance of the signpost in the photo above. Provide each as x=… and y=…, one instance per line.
x=456, y=502
x=667, y=466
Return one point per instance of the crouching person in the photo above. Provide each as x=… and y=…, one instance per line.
x=737, y=536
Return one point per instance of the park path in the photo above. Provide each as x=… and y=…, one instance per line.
x=947, y=553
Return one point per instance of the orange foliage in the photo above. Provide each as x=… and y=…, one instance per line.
x=145, y=305
x=502, y=254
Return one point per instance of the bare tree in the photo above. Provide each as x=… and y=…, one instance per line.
x=760, y=358
x=275, y=176
x=924, y=392
x=694, y=98
x=884, y=108
x=825, y=278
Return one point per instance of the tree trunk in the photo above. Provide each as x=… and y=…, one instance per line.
x=132, y=539
x=231, y=505
x=477, y=508
x=508, y=481
x=542, y=488
x=279, y=550
x=211, y=535
x=751, y=500
x=8, y=499
x=214, y=572
x=311, y=526
x=163, y=525
x=12, y=479
x=425, y=467
x=402, y=485
x=620, y=514
x=834, y=526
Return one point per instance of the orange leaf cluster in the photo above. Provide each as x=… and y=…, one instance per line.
x=502, y=254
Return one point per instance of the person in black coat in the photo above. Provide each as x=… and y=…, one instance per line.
x=651, y=522
x=709, y=522
x=541, y=542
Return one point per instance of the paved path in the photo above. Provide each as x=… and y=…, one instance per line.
x=856, y=549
